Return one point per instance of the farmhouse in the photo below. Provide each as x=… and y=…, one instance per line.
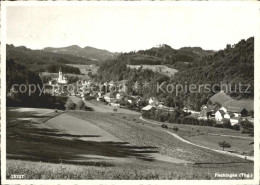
x=219, y=115
x=223, y=109
x=153, y=101
x=238, y=111
x=109, y=97
x=147, y=108
x=235, y=120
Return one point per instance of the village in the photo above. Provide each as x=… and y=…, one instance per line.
x=115, y=93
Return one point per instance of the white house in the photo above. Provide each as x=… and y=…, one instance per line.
x=153, y=101
x=147, y=108
x=119, y=96
x=234, y=121
x=227, y=116
x=219, y=115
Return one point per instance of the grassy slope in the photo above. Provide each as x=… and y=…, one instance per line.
x=128, y=128
x=38, y=144
x=227, y=101
x=210, y=136
x=157, y=68
x=40, y=170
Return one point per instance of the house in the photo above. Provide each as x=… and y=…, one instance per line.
x=235, y=120
x=238, y=111
x=108, y=97
x=203, y=107
x=207, y=111
x=114, y=103
x=121, y=85
x=153, y=101
x=148, y=108
x=227, y=116
x=111, y=83
x=162, y=107
x=100, y=94
x=223, y=109
x=119, y=96
x=185, y=109
x=219, y=115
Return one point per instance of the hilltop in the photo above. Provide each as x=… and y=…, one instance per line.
x=166, y=55
x=87, y=52
x=40, y=61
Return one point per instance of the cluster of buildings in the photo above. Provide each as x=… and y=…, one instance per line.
x=233, y=114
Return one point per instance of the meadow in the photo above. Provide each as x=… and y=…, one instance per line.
x=42, y=144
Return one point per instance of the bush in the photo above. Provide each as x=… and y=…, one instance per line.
x=219, y=125
x=226, y=123
x=236, y=127
x=80, y=105
x=189, y=121
x=164, y=126
x=224, y=144
x=247, y=127
x=163, y=117
x=70, y=105
x=175, y=129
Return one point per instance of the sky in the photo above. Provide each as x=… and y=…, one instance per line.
x=124, y=29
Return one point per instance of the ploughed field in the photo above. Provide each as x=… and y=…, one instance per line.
x=99, y=145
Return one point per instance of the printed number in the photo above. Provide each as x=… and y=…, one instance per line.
x=14, y=176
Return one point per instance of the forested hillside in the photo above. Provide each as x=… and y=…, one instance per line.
x=20, y=76
x=39, y=61
x=231, y=65
x=165, y=55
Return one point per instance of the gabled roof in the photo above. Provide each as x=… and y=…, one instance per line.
x=148, y=107
x=231, y=114
x=203, y=107
x=235, y=109
x=111, y=82
x=222, y=112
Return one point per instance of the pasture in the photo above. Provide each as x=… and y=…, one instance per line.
x=85, y=69
x=210, y=136
x=156, y=68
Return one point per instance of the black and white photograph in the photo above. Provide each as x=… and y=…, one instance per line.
x=129, y=91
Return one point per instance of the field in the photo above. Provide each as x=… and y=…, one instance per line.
x=210, y=136
x=157, y=68
x=85, y=69
x=100, y=144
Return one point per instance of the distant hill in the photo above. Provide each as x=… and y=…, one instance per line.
x=166, y=55
x=88, y=52
x=39, y=61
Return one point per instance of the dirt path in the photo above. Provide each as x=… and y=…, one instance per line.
x=188, y=142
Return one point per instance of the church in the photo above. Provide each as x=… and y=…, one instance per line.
x=61, y=79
